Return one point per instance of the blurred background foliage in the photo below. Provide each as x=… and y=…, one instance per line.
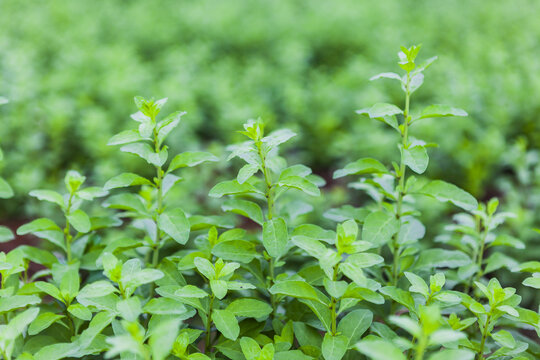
x=71, y=68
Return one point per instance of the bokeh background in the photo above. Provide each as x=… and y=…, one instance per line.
x=71, y=68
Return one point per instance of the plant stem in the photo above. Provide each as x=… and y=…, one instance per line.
x=420, y=348
x=208, y=344
x=401, y=176
x=333, y=303
x=159, y=200
x=269, y=194
x=480, y=355
x=67, y=229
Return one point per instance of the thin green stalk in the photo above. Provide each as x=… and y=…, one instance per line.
x=159, y=200
x=333, y=303
x=67, y=229
x=269, y=194
x=421, y=348
x=401, y=176
x=480, y=355
x=208, y=344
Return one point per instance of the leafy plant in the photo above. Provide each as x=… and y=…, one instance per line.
x=143, y=279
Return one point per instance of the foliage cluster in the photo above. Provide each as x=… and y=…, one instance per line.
x=145, y=279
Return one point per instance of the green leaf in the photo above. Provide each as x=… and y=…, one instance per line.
x=205, y=267
x=507, y=240
x=226, y=324
x=361, y=166
x=126, y=137
x=300, y=183
x=5, y=189
x=232, y=187
x=275, y=237
x=146, y=152
x=166, y=306
x=441, y=111
x=504, y=338
x=175, y=224
x=6, y=234
x=48, y=195
x=418, y=285
x=386, y=75
x=97, y=289
x=436, y=258
x=446, y=192
x=79, y=220
x=250, y=348
x=246, y=172
x=17, y=301
x=334, y=347
x=219, y=288
x=80, y=312
x=249, y=308
x=379, y=227
x=416, y=158
x=364, y=260
x=190, y=159
x=533, y=282
x=380, y=110
x=446, y=354
x=163, y=337
x=37, y=225
x=42, y=322
x=278, y=137
x=295, y=289
x=190, y=291
x=129, y=308
x=245, y=208
x=379, y=349
x=168, y=124
x=398, y=295
x=126, y=179
x=354, y=325
x=235, y=250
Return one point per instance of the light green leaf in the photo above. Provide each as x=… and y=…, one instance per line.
x=190, y=159
x=446, y=354
x=379, y=349
x=433, y=111
x=126, y=137
x=232, y=187
x=361, y=166
x=275, y=237
x=334, y=347
x=533, y=282
x=80, y=312
x=379, y=227
x=446, y=192
x=250, y=308
x=416, y=158
x=5, y=189
x=146, y=152
x=246, y=172
x=380, y=110
x=42, y=322
x=226, y=324
x=175, y=224
x=5, y=234
x=17, y=301
x=48, y=195
x=300, y=183
x=79, y=220
x=235, y=250
x=436, y=258
x=126, y=179
x=219, y=288
x=296, y=289
x=245, y=208
x=418, y=285
x=354, y=325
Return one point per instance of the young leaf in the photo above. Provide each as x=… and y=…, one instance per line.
x=334, y=347
x=226, y=323
x=379, y=227
x=361, y=166
x=175, y=224
x=124, y=180
x=446, y=192
x=275, y=237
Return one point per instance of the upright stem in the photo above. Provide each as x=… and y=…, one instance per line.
x=480, y=355
x=67, y=229
x=159, y=207
x=401, y=176
x=208, y=344
x=333, y=303
x=420, y=348
x=269, y=194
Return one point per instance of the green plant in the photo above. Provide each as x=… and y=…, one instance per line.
x=143, y=279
